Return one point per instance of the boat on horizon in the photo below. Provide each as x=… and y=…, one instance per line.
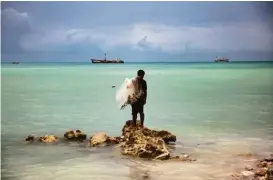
x=218, y=59
x=118, y=60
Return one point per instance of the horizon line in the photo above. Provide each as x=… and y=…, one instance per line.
x=5, y=62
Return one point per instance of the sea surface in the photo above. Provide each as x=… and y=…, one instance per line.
x=216, y=110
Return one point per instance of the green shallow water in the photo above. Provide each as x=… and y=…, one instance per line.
x=229, y=106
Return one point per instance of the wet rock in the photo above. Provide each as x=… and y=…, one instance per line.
x=260, y=171
x=143, y=143
x=247, y=174
x=101, y=138
x=98, y=138
x=165, y=135
x=145, y=147
x=30, y=138
x=75, y=135
x=48, y=138
x=114, y=140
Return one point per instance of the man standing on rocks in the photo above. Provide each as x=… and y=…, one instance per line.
x=137, y=107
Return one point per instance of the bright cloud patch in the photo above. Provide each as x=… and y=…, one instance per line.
x=14, y=17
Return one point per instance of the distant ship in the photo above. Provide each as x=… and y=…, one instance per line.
x=118, y=60
x=218, y=59
x=15, y=62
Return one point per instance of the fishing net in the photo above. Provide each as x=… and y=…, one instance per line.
x=129, y=92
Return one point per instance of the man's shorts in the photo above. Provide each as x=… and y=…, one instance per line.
x=137, y=107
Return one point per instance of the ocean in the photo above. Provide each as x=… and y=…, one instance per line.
x=216, y=110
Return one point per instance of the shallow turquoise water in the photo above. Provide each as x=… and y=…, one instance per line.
x=229, y=105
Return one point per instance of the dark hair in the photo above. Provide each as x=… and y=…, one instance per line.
x=140, y=72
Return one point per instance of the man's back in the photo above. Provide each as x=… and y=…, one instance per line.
x=143, y=87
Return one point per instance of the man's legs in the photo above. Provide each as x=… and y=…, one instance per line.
x=137, y=107
x=142, y=116
x=134, y=113
x=134, y=119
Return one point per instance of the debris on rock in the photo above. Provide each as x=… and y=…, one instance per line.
x=75, y=135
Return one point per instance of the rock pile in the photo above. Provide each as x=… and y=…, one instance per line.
x=134, y=141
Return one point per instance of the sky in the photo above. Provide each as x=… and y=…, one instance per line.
x=136, y=31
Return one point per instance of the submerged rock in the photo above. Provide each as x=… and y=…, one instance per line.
x=182, y=157
x=48, y=138
x=30, y=138
x=237, y=176
x=246, y=155
x=75, y=135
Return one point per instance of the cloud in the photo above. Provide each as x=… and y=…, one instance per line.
x=13, y=17
x=173, y=39
x=170, y=39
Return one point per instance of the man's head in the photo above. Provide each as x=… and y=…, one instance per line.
x=140, y=74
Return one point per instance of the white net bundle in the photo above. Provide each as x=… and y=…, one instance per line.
x=128, y=93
